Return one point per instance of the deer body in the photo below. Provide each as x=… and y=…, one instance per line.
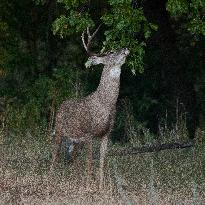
x=92, y=116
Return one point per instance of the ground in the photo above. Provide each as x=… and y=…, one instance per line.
x=165, y=177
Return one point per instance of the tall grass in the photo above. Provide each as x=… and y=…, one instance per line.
x=166, y=177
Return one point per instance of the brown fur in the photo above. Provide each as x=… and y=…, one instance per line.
x=93, y=116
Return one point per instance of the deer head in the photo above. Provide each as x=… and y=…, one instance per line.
x=111, y=59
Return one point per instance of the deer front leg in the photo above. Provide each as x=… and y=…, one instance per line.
x=103, y=150
x=56, y=150
x=89, y=160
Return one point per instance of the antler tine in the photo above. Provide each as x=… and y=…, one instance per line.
x=88, y=32
x=94, y=33
x=83, y=40
x=89, y=39
x=96, y=30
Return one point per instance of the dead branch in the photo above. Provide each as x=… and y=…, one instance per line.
x=153, y=148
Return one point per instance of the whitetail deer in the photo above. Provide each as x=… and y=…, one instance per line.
x=92, y=116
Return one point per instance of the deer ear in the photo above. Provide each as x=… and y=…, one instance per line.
x=93, y=60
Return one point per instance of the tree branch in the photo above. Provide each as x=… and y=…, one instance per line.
x=154, y=148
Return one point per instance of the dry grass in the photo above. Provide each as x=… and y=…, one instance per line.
x=168, y=177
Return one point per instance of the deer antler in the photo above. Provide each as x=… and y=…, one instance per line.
x=89, y=39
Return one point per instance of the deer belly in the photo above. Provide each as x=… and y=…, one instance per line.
x=79, y=122
x=75, y=123
x=101, y=124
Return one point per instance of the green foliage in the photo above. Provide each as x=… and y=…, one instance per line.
x=122, y=25
x=70, y=4
x=39, y=97
x=177, y=7
x=72, y=24
x=192, y=11
x=196, y=26
x=74, y=21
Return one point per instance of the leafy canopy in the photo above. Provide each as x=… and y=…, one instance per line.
x=121, y=23
x=192, y=12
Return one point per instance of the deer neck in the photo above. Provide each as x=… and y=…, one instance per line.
x=108, y=88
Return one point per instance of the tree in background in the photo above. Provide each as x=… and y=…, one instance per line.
x=39, y=69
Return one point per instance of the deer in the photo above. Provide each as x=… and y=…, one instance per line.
x=84, y=119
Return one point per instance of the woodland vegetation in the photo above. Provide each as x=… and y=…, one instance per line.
x=42, y=60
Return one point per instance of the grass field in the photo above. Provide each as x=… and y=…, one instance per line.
x=165, y=177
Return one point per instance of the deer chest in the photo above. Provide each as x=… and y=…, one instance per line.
x=100, y=120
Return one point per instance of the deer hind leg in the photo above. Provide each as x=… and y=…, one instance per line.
x=103, y=150
x=74, y=152
x=74, y=156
